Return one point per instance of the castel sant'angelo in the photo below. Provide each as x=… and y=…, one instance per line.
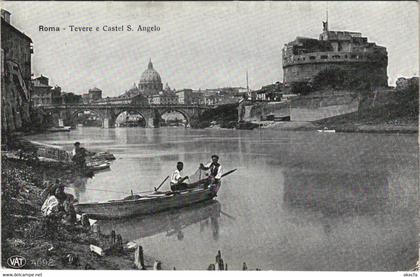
x=303, y=58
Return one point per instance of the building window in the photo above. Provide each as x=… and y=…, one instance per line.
x=324, y=57
x=312, y=57
x=336, y=57
x=353, y=56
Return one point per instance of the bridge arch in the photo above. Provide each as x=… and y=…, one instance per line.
x=80, y=110
x=136, y=111
x=74, y=117
x=186, y=116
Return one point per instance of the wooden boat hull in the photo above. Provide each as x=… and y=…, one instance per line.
x=168, y=222
x=326, y=131
x=148, y=204
x=97, y=167
x=60, y=129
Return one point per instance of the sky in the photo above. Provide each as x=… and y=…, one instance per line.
x=199, y=45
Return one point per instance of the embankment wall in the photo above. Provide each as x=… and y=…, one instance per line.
x=322, y=104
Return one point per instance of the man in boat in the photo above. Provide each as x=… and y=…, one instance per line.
x=215, y=173
x=79, y=156
x=177, y=181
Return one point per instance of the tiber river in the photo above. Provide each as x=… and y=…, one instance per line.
x=298, y=201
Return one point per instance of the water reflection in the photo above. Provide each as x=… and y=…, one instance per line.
x=77, y=185
x=172, y=222
x=335, y=193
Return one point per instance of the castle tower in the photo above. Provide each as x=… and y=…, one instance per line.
x=304, y=57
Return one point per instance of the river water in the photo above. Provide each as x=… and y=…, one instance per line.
x=298, y=201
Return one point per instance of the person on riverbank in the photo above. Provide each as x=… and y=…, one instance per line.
x=79, y=156
x=69, y=215
x=215, y=172
x=59, y=205
x=56, y=197
x=177, y=181
x=50, y=206
x=50, y=188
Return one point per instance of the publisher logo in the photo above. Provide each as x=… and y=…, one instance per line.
x=16, y=261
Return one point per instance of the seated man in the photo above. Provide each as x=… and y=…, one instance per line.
x=79, y=156
x=177, y=181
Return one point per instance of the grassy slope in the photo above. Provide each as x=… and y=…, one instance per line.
x=25, y=232
x=392, y=115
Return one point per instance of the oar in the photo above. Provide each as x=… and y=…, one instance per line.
x=156, y=189
x=227, y=215
x=229, y=172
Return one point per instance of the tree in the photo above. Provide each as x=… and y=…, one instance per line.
x=303, y=88
x=333, y=77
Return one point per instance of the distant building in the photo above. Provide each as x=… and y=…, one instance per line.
x=95, y=94
x=150, y=87
x=139, y=100
x=132, y=92
x=71, y=98
x=41, y=92
x=16, y=50
x=56, y=96
x=85, y=98
x=273, y=92
x=150, y=82
x=304, y=58
x=211, y=99
x=197, y=98
x=184, y=96
x=164, y=98
x=123, y=99
x=225, y=95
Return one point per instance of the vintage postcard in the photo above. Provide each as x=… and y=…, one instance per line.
x=258, y=136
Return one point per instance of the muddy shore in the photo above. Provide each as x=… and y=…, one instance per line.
x=26, y=232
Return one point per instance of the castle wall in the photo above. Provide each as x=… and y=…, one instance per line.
x=257, y=111
x=305, y=108
x=304, y=72
x=322, y=105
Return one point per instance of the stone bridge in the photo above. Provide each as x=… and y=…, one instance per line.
x=108, y=113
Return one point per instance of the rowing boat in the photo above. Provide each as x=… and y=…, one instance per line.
x=98, y=165
x=326, y=131
x=60, y=129
x=149, y=203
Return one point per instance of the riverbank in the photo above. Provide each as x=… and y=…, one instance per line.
x=26, y=232
x=411, y=128
x=391, y=118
